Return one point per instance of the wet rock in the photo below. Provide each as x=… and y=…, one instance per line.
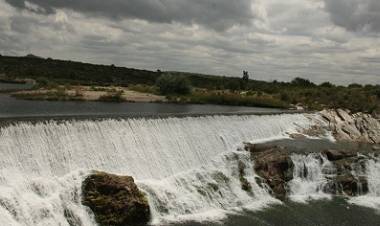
x=245, y=185
x=353, y=186
x=334, y=155
x=115, y=200
x=275, y=166
x=256, y=148
x=72, y=218
x=249, y=146
x=343, y=166
x=347, y=184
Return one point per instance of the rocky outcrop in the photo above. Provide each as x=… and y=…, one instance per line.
x=275, y=167
x=345, y=182
x=115, y=200
x=358, y=127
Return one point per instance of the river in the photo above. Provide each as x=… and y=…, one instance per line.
x=15, y=108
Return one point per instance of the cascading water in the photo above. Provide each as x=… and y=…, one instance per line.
x=310, y=177
x=186, y=165
x=200, y=194
x=312, y=173
x=372, y=171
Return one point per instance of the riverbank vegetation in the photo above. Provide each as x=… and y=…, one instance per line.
x=181, y=87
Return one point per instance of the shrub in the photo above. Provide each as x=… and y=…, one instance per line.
x=143, y=88
x=173, y=84
x=112, y=97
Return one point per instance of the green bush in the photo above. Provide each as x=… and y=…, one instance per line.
x=173, y=84
x=112, y=97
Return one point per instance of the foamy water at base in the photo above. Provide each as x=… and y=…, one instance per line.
x=372, y=199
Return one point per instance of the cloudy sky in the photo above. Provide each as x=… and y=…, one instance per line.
x=323, y=40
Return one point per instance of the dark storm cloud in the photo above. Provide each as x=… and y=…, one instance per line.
x=217, y=14
x=355, y=15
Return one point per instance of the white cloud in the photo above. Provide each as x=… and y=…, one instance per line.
x=285, y=39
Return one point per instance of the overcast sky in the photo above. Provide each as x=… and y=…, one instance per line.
x=323, y=40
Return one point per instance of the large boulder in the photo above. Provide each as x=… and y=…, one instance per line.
x=115, y=200
x=275, y=167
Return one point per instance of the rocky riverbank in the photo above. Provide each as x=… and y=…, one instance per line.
x=275, y=166
x=354, y=127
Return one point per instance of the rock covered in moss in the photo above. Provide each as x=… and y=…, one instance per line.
x=115, y=200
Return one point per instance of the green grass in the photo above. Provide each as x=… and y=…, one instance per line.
x=233, y=99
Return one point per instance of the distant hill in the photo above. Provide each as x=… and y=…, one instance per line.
x=62, y=71
x=35, y=67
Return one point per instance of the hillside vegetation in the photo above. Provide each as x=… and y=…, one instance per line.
x=185, y=87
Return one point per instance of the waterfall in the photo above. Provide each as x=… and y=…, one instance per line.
x=200, y=194
x=312, y=173
x=185, y=165
x=310, y=177
x=372, y=171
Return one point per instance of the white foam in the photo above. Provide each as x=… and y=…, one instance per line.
x=209, y=193
x=309, y=177
x=372, y=199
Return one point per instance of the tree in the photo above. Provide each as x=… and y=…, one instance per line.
x=302, y=82
x=245, y=76
x=355, y=85
x=245, y=80
x=377, y=92
x=326, y=85
x=173, y=84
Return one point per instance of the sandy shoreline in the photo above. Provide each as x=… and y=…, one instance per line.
x=87, y=93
